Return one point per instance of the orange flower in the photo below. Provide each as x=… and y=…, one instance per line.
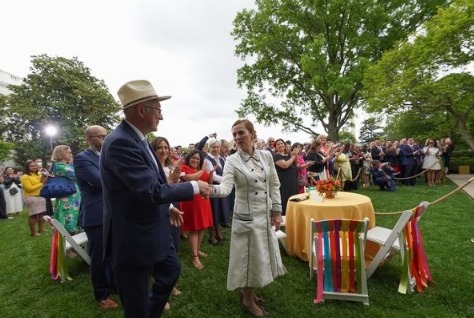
x=328, y=185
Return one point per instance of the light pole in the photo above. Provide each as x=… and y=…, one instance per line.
x=51, y=131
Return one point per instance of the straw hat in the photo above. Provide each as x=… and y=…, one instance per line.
x=135, y=92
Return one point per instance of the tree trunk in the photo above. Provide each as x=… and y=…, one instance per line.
x=465, y=132
x=333, y=131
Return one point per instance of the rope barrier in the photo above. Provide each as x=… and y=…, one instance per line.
x=421, y=173
x=344, y=175
x=435, y=201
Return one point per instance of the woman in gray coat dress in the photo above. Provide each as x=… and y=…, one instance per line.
x=255, y=259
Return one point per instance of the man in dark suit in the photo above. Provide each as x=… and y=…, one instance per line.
x=382, y=174
x=137, y=205
x=410, y=156
x=86, y=166
x=377, y=151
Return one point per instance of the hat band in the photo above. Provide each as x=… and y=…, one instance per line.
x=143, y=99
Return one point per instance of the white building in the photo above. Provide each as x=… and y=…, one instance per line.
x=8, y=79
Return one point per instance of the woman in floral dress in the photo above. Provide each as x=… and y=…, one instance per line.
x=66, y=209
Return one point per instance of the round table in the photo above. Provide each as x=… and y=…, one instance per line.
x=346, y=205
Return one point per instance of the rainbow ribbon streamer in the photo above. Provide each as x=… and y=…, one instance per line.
x=57, y=266
x=339, y=269
x=415, y=263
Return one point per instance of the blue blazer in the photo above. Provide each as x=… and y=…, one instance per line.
x=86, y=166
x=137, y=229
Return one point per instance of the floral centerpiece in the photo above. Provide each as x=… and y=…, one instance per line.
x=328, y=187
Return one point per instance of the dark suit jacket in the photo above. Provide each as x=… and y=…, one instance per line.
x=137, y=230
x=86, y=166
x=407, y=156
x=375, y=151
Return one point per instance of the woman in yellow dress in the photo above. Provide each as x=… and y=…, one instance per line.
x=341, y=161
x=32, y=182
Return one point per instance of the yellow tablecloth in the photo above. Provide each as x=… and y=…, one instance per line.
x=345, y=205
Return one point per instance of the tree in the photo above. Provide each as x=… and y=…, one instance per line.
x=346, y=136
x=58, y=91
x=429, y=72
x=5, y=151
x=421, y=126
x=370, y=129
x=309, y=56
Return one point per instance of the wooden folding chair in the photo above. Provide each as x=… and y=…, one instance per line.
x=337, y=257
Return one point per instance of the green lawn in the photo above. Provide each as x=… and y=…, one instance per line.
x=26, y=289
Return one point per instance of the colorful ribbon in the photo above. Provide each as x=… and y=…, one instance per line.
x=339, y=261
x=415, y=263
x=57, y=266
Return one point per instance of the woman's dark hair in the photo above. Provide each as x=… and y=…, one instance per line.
x=279, y=139
x=192, y=153
x=296, y=144
x=313, y=146
x=27, y=166
x=156, y=142
x=347, y=147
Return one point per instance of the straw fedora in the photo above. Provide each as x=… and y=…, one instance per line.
x=135, y=92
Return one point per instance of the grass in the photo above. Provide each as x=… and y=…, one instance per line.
x=26, y=289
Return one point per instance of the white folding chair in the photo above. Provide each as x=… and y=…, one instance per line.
x=383, y=243
x=281, y=236
x=72, y=242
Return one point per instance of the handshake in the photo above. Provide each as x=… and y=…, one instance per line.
x=205, y=189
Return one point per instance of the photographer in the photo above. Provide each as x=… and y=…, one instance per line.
x=382, y=174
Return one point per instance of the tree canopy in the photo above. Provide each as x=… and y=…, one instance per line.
x=371, y=129
x=429, y=72
x=60, y=92
x=306, y=58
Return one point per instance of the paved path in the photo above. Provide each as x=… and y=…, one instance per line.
x=460, y=179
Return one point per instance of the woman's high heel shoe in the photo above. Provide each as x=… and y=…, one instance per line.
x=262, y=312
x=197, y=263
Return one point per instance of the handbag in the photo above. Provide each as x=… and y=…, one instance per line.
x=57, y=187
x=13, y=191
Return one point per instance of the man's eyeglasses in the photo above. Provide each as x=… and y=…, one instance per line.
x=99, y=136
x=158, y=110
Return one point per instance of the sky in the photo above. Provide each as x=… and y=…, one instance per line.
x=183, y=47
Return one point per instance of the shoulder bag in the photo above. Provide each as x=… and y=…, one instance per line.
x=57, y=187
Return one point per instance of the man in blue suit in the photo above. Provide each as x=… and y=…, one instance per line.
x=86, y=166
x=410, y=156
x=137, y=205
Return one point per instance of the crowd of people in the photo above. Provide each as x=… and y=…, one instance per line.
x=136, y=200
